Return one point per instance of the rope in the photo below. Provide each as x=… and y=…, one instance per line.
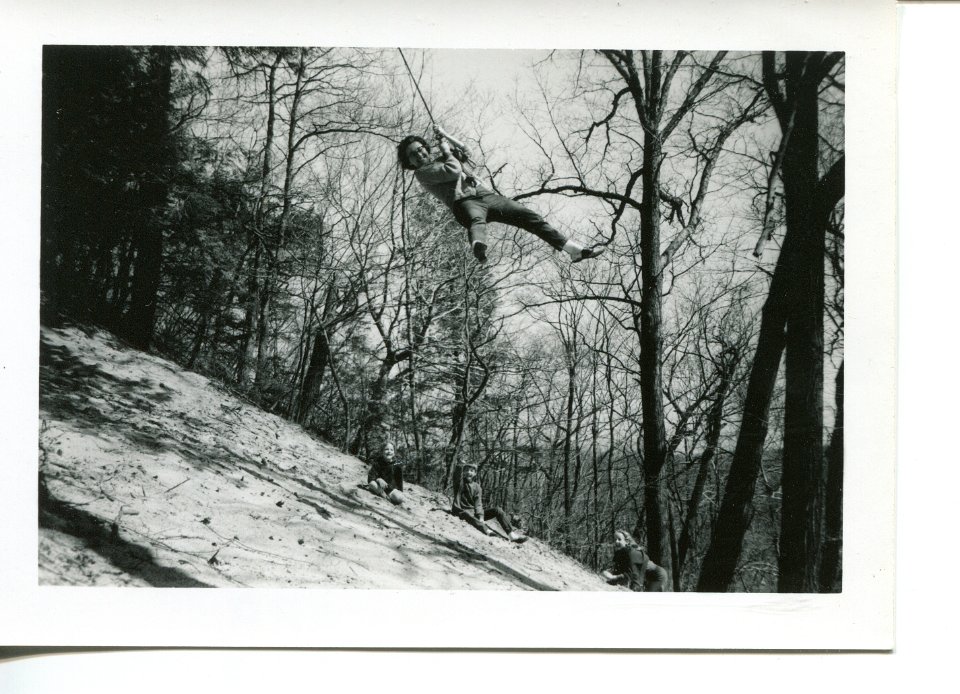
x=417, y=85
x=458, y=151
x=467, y=159
x=463, y=155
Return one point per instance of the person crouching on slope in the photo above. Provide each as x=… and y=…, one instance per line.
x=386, y=467
x=633, y=568
x=468, y=504
x=472, y=204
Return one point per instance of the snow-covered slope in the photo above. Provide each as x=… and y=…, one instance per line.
x=154, y=476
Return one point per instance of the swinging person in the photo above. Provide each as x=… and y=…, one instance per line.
x=472, y=204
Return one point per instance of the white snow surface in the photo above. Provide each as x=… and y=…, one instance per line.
x=155, y=476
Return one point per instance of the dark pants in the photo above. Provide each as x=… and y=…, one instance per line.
x=495, y=512
x=380, y=487
x=474, y=212
x=656, y=580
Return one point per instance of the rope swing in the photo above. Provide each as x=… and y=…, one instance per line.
x=577, y=250
x=459, y=150
x=417, y=85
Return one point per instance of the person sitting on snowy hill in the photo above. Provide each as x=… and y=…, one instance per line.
x=633, y=568
x=385, y=477
x=468, y=504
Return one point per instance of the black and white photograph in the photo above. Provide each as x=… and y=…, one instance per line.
x=300, y=328
x=443, y=324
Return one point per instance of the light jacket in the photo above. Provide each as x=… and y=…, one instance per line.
x=448, y=180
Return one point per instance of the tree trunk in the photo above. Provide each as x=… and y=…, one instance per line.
x=458, y=421
x=251, y=312
x=567, y=440
x=378, y=406
x=651, y=346
x=455, y=443
x=831, y=568
x=720, y=562
x=792, y=320
x=271, y=281
x=800, y=536
x=258, y=291
x=313, y=379
x=148, y=240
x=411, y=339
x=595, y=465
x=714, y=429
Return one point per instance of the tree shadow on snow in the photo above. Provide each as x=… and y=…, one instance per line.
x=444, y=545
x=128, y=557
x=69, y=388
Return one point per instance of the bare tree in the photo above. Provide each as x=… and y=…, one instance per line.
x=668, y=93
x=792, y=321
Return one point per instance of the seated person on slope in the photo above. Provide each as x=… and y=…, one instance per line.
x=632, y=567
x=468, y=503
x=385, y=477
x=447, y=178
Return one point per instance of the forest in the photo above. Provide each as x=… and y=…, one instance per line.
x=241, y=211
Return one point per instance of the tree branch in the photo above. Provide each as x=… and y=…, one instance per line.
x=622, y=62
x=581, y=190
x=830, y=190
x=747, y=115
x=613, y=111
x=771, y=83
x=695, y=89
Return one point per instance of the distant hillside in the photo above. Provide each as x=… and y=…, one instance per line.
x=154, y=476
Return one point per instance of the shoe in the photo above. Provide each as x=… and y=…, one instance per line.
x=480, y=251
x=517, y=537
x=592, y=252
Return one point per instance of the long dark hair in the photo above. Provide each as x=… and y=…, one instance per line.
x=402, y=150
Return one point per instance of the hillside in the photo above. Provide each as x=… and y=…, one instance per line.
x=154, y=476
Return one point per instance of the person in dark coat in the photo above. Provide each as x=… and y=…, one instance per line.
x=633, y=568
x=385, y=477
x=468, y=504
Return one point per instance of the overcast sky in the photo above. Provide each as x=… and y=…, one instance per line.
x=497, y=73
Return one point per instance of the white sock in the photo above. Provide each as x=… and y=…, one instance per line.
x=573, y=248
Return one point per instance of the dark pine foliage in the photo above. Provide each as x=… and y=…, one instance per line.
x=108, y=156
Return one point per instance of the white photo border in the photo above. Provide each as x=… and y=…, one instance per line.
x=861, y=617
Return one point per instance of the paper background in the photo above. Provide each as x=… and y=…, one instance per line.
x=860, y=618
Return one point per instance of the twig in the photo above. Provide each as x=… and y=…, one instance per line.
x=175, y=486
